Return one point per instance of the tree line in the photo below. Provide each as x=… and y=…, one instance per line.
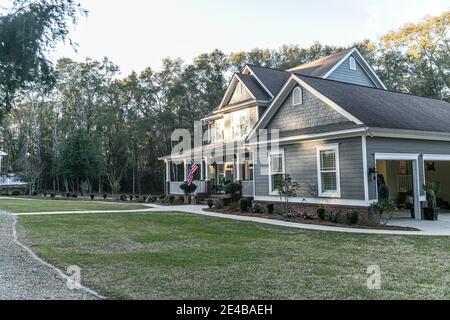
x=81, y=127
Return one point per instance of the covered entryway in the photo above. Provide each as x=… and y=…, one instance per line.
x=398, y=180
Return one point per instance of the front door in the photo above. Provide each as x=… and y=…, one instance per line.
x=229, y=172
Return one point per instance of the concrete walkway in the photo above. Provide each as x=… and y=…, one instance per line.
x=24, y=276
x=427, y=228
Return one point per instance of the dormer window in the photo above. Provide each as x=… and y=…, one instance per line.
x=352, y=63
x=297, y=97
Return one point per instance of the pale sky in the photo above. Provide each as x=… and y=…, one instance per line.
x=135, y=34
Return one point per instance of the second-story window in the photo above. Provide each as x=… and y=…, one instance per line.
x=297, y=96
x=240, y=123
x=217, y=130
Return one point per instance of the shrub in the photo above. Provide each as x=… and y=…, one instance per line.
x=16, y=193
x=234, y=189
x=74, y=195
x=35, y=193
x=150, y=200
x=171, y=199
x=321, y=214
x=218, y=205
x=385, y=209
x=180, y=199
x=352, y=217
x=244, y=204
x=131, y=198
x=210, y=204
x=270, y=208
x=92, y=196
x=52, y=195
x=257, y=208
x=105, y=196
x=335, y=216
x=68, y=195
x=44, y=193
x=123, y=197
x=188, y=189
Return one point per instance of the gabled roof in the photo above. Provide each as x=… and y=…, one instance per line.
x=254, y=87
x=385, y=109
x=273, y=79
x=320, y=68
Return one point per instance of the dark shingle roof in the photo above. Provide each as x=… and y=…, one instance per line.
x=319, y=68
x=273, y=79
x=385, y=109
x=253, y=86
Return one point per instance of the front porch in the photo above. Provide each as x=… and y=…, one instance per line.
x=212, y=175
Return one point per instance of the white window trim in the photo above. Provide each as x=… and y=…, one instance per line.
x=239, y=114
x=294, y=92
x=283, y=171
x=337, y=193
x=352, y=63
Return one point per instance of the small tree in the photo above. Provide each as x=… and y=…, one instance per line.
x=385, y=209
x=286, y=189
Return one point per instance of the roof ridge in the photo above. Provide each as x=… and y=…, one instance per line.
x=368, y=87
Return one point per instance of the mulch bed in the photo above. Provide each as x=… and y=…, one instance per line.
x=314, y=221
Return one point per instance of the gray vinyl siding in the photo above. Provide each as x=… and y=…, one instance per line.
x=301, y=164
x=313, y=112
x=392, y=145
x=344, y=74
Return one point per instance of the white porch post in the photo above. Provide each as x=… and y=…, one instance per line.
x=237, y=167
x=201, y=170
x=206, y=170
x=167, y=171
x=185, y=170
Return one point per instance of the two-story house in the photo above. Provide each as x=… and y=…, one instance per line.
x=333, y=127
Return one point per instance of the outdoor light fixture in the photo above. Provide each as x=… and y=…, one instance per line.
x=373, y=172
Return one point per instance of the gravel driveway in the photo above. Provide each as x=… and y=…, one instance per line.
x=23, y=277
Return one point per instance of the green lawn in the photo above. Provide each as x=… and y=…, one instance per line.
x=184, y=256
x=18, y=206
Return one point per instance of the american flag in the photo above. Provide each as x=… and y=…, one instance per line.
x=190, y=178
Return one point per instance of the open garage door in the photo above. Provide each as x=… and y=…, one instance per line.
x=437, y=170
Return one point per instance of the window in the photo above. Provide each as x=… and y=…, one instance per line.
x=217, y=130
x=328, y=169
x=240, y=123
x=246, y=168
x=297, y=96
x=276, y=170
x=239, y=88
x=352, y=63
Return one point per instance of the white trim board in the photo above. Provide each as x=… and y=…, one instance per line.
x=436, y=157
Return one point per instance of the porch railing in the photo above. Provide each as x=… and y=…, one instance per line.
x=174, y=187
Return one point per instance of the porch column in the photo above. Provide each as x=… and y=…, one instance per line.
x=201, y=170
x=206, y=170
x=237, y=167
x=185, y=169
x=167, y=171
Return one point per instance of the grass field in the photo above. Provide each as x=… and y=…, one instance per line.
x=20, y=206
x=184, y=256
